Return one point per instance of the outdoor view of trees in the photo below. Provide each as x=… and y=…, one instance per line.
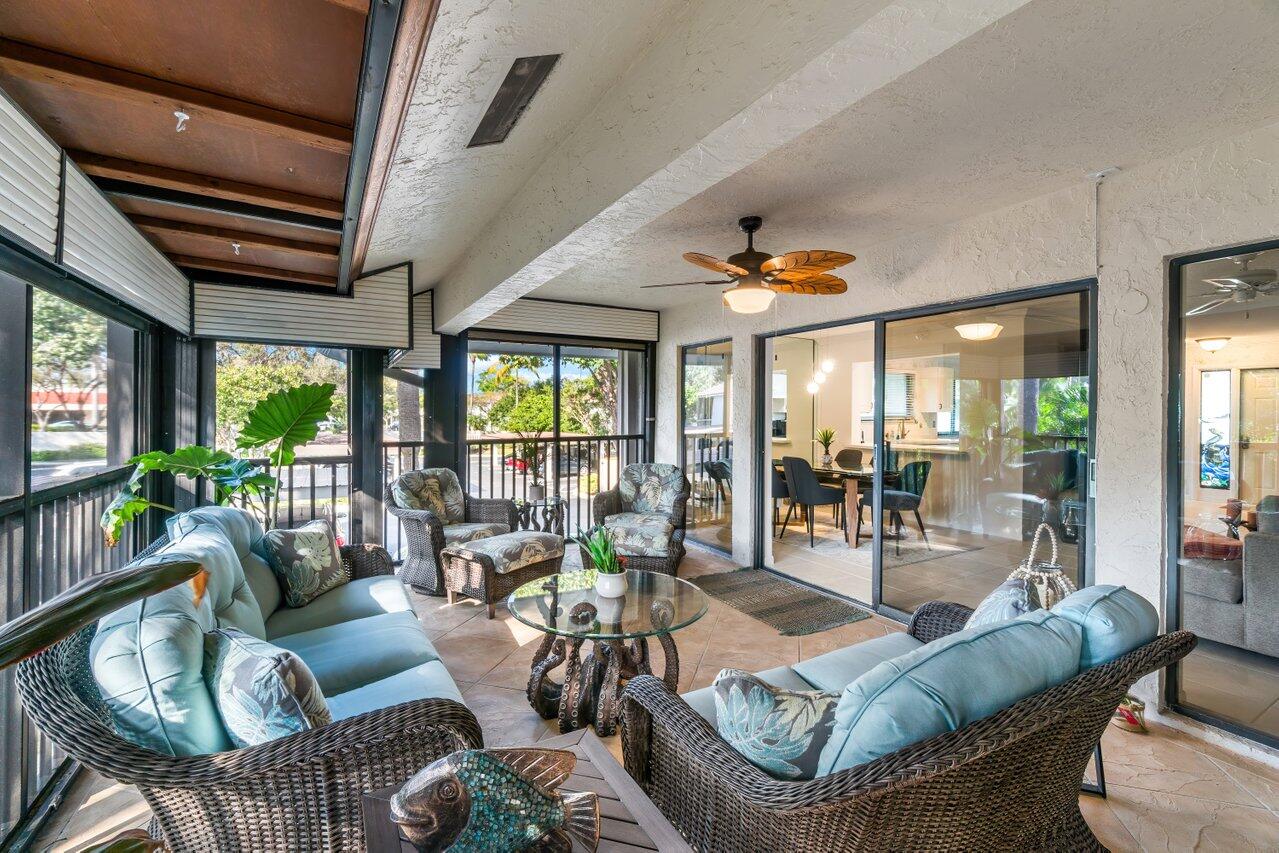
x=248, y=372
x=513, y=395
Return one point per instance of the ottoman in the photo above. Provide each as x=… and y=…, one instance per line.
x=491, y=568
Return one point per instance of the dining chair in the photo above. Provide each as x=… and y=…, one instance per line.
x=850, y=458
x=806, y=491
x=779, y=492
x=914, y=477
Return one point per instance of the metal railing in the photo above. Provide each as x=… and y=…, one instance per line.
x=314, y=487
x=47, y=545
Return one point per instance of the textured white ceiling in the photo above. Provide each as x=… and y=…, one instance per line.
x=1032, y=103
x=440, y=193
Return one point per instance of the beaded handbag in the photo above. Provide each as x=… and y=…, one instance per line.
x=1048, y=577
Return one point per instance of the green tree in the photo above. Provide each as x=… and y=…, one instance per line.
x=1063, y=406
x=68, y=354
x=247, y=373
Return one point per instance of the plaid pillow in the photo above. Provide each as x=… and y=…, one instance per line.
x=1200, y=544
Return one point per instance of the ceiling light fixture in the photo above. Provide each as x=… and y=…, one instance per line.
x=819, y=377
x=828, y=365
x=749, y=298
x=1212, y=344
x=812, y=388
x=979, y=331
x=182, y=118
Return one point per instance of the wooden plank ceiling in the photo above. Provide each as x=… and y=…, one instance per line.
x=251, y=185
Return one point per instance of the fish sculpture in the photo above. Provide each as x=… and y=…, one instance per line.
x=489, y=800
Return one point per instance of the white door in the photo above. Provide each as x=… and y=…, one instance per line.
x=1258, y=433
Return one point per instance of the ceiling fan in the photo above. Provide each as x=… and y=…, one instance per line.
x=1244, y=286
x=758, y=277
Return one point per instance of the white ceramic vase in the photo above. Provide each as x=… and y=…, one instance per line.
x=610, y=586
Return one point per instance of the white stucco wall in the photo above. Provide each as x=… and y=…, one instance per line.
x=1222, y=194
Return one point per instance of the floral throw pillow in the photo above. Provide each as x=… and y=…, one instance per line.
x=418, y=491
x=306, y=561
x=782, y=732
x=262, y=692
x=1012, y=598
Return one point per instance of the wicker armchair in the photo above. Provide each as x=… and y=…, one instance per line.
x=423, y=568
x=1007, y=782
x=614, y=501
x=300, y=792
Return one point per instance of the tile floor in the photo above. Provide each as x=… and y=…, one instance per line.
x=1168, y=791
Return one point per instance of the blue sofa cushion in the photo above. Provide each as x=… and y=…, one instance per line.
x=428, y=680
x=361, y=651
x=262, y=692
x=780, y=731
x=355, y=600
x=949, y=683
x=1114, y=620
x=840, y=668
x=239, y=526
x=148, y=658
x=1010, y=599
x=306, y=561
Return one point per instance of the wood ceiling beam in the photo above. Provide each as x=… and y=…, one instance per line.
x=101, y=166
x=417, y=19
x=247, y=239
x=251, y=269
x=33, y=63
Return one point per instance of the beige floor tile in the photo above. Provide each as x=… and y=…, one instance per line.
x=1107, y=826
x=504, y=715
x=1171, y=822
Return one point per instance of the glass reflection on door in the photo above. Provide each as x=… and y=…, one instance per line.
x=707, y=397
x=986, y=415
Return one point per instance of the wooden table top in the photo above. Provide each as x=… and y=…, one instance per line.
x=629, y=822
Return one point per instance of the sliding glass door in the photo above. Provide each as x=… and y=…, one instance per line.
x=1224, y=527
x=985, y=435
x=707, y=442
x=973, y=425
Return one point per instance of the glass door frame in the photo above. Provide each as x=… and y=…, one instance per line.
x=1174, y=481
x=760, y=431
x=681, y=453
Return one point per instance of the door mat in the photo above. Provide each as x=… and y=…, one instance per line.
x=791, y=608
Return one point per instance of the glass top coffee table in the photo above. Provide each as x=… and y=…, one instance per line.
x=569, y=611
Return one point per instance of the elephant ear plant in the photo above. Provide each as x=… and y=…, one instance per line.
x=280, y=422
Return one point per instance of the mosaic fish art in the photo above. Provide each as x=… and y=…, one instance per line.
x=494, y=800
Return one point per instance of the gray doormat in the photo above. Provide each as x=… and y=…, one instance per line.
x=793, y=609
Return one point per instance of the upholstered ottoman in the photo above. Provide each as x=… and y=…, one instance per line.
x=491, y=568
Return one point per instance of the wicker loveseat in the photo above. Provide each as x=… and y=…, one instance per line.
x=299, y=792
x=644, y=513
x=1009, y=781
x=435, y=512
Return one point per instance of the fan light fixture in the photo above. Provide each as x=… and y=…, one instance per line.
x=979, y=331
x=1212, y=344
x=749, y=299
x=811, y=387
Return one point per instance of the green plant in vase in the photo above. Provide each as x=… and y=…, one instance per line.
x=610, y=567
x=825, y=437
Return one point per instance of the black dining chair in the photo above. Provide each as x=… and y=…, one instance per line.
x=914, y=477
x=780, y=492
x=808, y=492
x=850, y=458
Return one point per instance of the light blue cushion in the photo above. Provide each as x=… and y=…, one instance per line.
x=148, y=658
x=428, y=680
x=840, y=668
x=262, y=583
x=359, y=652
x=703, y=701
x=354, y=600
x=262, y=692
x=949, y=683
x=239, y=526
x=1114, y=619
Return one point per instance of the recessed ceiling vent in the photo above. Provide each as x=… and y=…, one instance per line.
x=526, y=76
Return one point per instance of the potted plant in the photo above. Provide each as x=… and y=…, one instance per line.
x=610, y=567
x=280, y=422
x=531, y=453
x=825, y=437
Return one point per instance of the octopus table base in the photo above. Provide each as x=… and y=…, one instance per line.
x=591, y=689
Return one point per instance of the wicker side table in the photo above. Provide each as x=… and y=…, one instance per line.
x=478, y=570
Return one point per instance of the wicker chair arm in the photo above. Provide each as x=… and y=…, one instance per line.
x=934, y=619
x=604, y=504
x=492, y=511
x=403, y=725
x=367, y=561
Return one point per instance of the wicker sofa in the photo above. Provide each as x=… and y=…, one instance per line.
x=435, y=512
x=644, y=513
x=392, y=714
x=1009, y=781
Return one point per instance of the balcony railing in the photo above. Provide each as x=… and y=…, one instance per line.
x=315, y=487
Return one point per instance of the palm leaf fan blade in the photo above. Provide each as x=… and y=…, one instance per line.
x=715, y=264
x=818, y=285
x=805, y=263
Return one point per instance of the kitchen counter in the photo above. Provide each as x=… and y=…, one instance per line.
x=946, y=449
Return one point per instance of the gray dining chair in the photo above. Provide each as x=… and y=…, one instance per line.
x=807, y=492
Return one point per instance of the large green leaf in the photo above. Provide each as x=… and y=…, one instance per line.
x=194, y=460
x=127, y=506
x=287, y=419
x=87, y=601
x=241, y=476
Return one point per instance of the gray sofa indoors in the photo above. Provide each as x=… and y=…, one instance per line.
x=1236, y=602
